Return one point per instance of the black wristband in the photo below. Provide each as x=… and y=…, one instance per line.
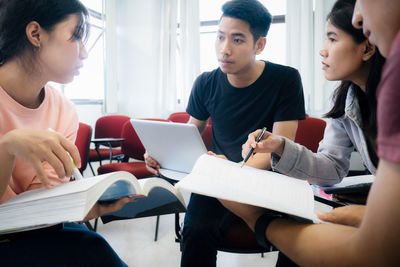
x=261, y=226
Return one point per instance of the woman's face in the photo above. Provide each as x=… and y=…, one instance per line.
x=342, y=57
x=61, y=53
x=380, y=21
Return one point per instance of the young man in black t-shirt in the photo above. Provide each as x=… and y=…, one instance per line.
x=242, y=95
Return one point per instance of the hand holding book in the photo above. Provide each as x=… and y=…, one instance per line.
x=347, y=215
x=100, y=209
x=108, y=194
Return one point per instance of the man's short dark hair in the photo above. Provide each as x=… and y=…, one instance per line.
x=251, y=11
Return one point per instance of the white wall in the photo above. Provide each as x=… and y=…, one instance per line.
x=89, y=113
x=132, y=64
x=138, y=33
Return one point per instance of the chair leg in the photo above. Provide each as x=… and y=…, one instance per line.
x=98, y=152
x=95, y=224
x=178, y=237
x=91, y=168
x=157, y=223
x=89, y=226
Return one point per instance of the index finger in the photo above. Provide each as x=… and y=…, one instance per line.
x=252, y=137
x=72, y=150
x=41, y=174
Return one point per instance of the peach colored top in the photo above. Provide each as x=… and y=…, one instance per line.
x=54, y=112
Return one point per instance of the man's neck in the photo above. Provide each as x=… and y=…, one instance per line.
x=244, y=79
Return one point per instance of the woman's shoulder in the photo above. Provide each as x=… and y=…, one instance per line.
x=56, y=97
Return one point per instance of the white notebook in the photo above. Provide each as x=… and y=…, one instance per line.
x=225, y=179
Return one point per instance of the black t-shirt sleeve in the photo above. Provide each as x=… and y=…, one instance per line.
x=291, y=100
x=197, y=100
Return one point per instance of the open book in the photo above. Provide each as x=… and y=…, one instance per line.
x=215, y=177
x=72, y=201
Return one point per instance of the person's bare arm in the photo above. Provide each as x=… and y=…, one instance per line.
x=152, y=165
x=283, y=128
x=201, y=125
x=375, y=243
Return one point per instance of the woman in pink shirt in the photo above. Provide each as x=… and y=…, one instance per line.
x=42, y=41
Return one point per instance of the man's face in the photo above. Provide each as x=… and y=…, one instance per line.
x=380, y=21
x=235, y=46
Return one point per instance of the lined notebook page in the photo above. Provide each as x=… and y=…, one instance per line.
x=224, y=179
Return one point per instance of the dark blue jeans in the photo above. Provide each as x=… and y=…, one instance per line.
x=68, y=245
x=205, y=225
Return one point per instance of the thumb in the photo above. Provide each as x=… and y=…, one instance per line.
x=323, y=216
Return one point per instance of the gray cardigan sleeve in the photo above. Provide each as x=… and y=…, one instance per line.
x=326, y=167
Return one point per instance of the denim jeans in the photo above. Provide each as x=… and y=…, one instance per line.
x=67, y=245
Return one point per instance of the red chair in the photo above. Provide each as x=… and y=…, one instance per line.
x=310, y=132
x=183, y=117
x=82, y=142
x=109, y=126
x=131, y=148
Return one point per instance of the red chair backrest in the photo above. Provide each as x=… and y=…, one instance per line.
x=132, y=147
x=207, y=137
x=310, y=132
x=110, y=126
x=182, y=117
x=82, y=142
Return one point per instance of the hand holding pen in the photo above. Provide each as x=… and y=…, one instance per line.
x=75, y=171
x=251, y=151
x=38, y=146
x=262, y=141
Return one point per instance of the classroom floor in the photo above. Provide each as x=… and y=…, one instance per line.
x=134, y=242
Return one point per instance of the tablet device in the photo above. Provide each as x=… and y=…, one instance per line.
x=351, y=189
x=176, y=146
x=351, y=185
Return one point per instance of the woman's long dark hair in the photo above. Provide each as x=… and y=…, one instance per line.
x=340, y=17
x=16, y=14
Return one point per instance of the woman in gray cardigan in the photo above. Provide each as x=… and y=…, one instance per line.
x=351, y=123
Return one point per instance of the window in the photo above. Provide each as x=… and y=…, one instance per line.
x=88, y=87
x=210, y=12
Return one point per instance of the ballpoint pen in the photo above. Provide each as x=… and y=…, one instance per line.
x=252, y=149
x=75, y=172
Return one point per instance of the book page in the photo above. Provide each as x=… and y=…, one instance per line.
x=149, y=183
x=61, y=189
x=65, y=202
x=224, y=179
